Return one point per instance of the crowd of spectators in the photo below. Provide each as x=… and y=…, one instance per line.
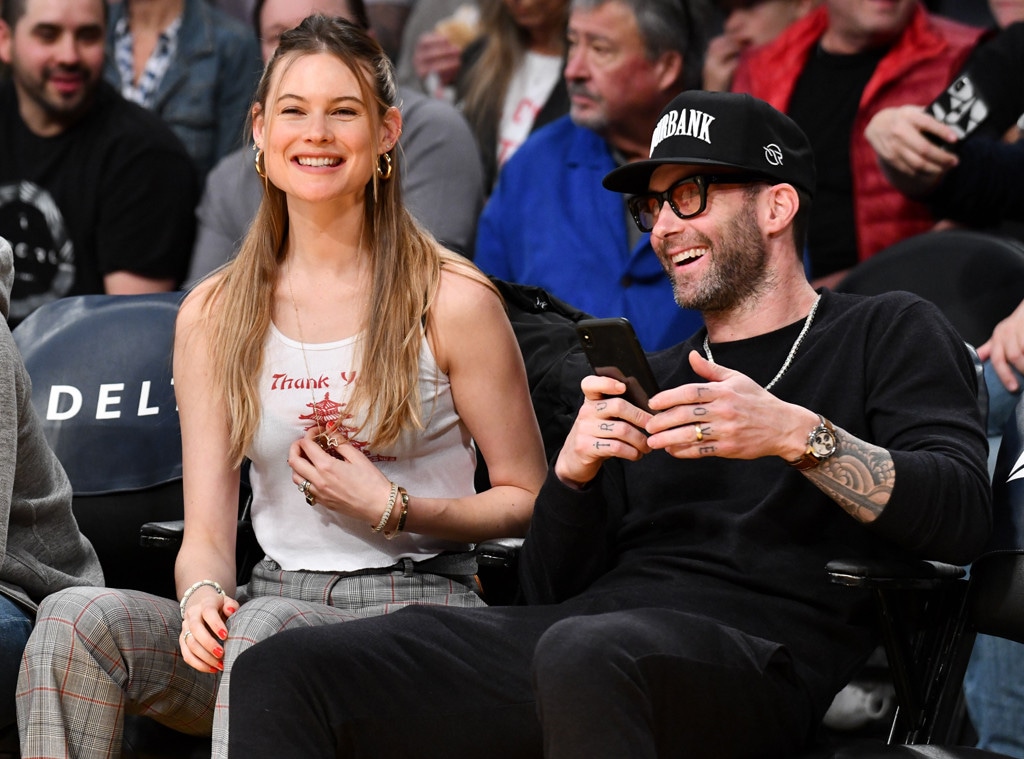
x=127, y=150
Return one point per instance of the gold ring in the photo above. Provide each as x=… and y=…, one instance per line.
x=698, y=432
x=310, y=499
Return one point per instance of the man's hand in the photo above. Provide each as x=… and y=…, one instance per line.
x=1005, y=349
x=606, y=426
x=720, y=61
x=911, y=161
x=730, y=416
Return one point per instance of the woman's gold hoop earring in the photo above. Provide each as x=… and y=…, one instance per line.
x=261, y=167
x=385, y=174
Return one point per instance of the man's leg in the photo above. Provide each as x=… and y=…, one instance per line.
x=655, y=682
x=96, y=653
x=429, y=682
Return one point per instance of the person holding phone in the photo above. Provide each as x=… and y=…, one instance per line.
x=970, y=171
x=674, y=565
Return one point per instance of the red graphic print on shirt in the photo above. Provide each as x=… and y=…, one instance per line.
x=332, y=415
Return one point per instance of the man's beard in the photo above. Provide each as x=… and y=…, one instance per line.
x=595, y=120
x=738, y=267
x=60, y=110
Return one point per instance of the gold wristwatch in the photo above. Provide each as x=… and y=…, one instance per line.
x=821, y=444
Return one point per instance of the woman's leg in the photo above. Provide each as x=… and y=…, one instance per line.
x=289, y=600
x=95, y=654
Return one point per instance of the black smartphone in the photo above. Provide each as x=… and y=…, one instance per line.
x=613, y=350
x=961, y=107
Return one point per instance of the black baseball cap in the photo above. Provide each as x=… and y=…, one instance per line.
x=723, y=129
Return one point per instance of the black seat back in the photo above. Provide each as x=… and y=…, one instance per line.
x=101, y=376
x=975, y=278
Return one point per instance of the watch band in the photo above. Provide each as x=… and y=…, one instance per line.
x=810, y=459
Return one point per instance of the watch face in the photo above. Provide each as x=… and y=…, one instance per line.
x=823, y=443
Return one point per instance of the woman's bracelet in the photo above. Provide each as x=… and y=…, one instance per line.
x=387, y=512
x=402, y=514
x=193, y=588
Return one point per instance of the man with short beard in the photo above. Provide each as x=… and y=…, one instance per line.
x=549, y=222
x=97, y=195
x=674, y=569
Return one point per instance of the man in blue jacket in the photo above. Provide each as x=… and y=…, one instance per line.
x=549, y=221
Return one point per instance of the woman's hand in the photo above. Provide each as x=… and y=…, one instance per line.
x=344, y=481
x=204, y=628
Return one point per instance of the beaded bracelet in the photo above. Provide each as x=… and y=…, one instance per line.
x=387, y=512
x=196, y=586
x=401, y=516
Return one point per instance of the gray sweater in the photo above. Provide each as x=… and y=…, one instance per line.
x=41, y=548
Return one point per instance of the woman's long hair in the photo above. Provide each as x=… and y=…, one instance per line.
x=406, y=267
x=484, y=86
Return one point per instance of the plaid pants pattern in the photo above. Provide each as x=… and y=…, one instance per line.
x=98, y=653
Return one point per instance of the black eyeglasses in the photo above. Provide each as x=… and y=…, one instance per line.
x=687, y=198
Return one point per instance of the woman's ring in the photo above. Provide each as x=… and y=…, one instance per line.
x=304, y=488
x=698, y=432
x=184, y=638
x=310, y=498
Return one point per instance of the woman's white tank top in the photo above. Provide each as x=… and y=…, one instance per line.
x=301, y=383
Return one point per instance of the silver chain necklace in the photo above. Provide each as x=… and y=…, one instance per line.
x=792, y=351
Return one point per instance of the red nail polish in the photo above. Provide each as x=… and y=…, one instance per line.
x=223, y=635
x=218, y=652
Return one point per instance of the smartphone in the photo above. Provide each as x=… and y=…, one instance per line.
x=613, y=350
x=961, y=107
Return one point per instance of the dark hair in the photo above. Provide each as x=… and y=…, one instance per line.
x=12, y=10
x=670, y=25
x=356, y=10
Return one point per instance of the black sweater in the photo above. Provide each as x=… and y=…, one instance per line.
x=746, y=542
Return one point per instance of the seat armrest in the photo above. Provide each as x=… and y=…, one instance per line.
x=892, y=574
x=499, y=553
x=162, y=534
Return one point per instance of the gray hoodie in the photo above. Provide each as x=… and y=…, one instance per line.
x=41, y=548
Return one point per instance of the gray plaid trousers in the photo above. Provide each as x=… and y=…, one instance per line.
x=98, y=653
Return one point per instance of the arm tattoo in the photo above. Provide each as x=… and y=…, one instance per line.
x=859, y=477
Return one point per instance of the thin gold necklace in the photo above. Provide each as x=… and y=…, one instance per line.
x=792, y=351
x=325, y=440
